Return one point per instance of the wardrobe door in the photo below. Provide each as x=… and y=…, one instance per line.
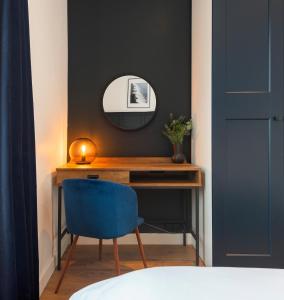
x=247, y=112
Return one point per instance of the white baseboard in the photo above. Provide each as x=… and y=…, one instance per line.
x=147, y=239
x=64, y=244
x=51, y=265
x=46, y=274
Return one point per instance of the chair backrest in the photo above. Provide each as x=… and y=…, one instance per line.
x=100, y=209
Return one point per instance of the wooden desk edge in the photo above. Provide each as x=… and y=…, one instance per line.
x=129, y=164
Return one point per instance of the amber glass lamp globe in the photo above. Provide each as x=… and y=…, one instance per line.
x=82, y=151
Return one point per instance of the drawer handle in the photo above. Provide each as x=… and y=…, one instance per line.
x=276, y=118
x=93, y=176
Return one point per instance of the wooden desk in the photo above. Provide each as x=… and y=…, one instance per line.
x=139, y=173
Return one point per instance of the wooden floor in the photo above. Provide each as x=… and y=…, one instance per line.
x=85, y=267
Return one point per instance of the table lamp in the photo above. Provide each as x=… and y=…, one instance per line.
x=82, y=151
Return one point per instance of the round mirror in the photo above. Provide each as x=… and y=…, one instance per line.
x=129, y=102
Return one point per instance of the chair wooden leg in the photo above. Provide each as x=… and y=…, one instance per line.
x=66, y=263
x=141, y=249
x=100, y=249
x=116, y=257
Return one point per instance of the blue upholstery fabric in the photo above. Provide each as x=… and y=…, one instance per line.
x=100, y=209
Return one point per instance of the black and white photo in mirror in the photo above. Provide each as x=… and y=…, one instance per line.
x=138, y=93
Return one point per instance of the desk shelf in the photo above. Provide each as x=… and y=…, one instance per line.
x=168, y=184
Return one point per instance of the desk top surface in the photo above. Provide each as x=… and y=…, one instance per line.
x=131, y=163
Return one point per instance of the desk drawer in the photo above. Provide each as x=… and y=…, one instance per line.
x=116, y=176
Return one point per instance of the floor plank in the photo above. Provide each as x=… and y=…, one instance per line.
x=85, y=268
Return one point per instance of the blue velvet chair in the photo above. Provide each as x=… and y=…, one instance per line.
x=103, y=210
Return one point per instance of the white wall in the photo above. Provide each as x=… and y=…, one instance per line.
x=201, y=111
x=48, y=32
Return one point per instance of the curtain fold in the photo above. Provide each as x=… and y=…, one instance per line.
x=18, y=203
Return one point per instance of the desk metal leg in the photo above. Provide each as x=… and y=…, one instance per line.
x=184, y=235
x=185, y=211
x=59, y=211
x=197, y=225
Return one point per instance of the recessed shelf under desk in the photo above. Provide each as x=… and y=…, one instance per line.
x=139, y=173
x=164, y=178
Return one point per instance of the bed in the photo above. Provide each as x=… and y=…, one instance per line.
x=184, y=283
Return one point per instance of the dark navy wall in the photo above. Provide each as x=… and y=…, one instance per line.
x=149, y=38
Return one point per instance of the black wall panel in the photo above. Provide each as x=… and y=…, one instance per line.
x=110, y=38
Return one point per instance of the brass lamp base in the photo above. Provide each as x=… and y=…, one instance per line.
x=83, y=163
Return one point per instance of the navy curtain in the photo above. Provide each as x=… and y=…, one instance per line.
x=18, y=211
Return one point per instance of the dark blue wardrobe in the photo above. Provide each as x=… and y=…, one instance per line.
x=248, y=133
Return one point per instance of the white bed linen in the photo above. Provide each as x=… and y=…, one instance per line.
x=185, y=283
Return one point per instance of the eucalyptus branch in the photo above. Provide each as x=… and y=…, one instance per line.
x=176, y=129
